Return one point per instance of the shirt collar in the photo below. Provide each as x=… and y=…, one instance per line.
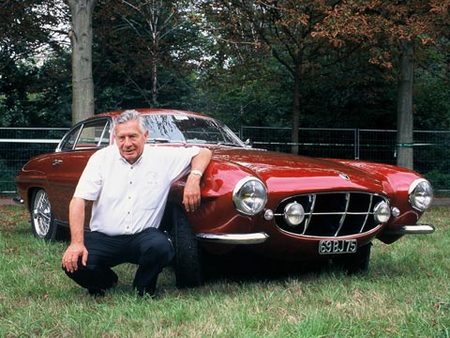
x=119, y=157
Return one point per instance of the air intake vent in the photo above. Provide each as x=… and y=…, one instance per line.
x=332, y=214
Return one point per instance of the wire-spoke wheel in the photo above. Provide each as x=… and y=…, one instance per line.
x=42, y=223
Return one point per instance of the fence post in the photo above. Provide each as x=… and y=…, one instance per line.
x=356, y=147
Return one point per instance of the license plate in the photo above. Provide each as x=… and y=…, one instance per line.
x=337, y=246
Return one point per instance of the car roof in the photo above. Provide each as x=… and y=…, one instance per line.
x=152, y=111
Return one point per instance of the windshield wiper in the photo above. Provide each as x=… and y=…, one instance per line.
x=158, y=140
x=230, y=144
x=196, y=140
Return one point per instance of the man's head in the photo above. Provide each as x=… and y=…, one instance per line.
x=130, y=135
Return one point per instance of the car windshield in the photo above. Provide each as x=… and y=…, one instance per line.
x=189, y=129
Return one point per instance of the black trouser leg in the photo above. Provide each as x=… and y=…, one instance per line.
x=95, y=278
x=103, y=253
x=152, y=252
x=150, y=249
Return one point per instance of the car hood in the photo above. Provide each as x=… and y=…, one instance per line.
x=288, y=172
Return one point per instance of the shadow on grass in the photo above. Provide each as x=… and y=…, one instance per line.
x=243, y=267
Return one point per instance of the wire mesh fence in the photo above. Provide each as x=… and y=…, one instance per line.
x=18, y=145
x=431, y=148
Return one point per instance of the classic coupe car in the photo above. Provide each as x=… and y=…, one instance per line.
x=284, y=206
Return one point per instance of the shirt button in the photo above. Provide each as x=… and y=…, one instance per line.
x=131, y=182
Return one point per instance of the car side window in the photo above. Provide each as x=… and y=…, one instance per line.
x=70, y=139
x=93, y=134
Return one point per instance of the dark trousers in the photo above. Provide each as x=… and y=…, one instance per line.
x=150, y=249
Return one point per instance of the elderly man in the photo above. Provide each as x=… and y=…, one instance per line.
x=128, y=183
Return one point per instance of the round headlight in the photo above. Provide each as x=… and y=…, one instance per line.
x=420, y=194
x=250, y=196
x=382, y=212
x=294, y=213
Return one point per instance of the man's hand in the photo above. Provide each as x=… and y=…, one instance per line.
x=71, y=256
x=191, y=195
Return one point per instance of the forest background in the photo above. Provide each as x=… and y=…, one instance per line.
x=292, y=63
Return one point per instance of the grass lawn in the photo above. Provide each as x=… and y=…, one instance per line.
x=405, y=294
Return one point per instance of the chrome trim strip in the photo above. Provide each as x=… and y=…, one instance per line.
x=344, y=214
x=252, y=238
x=18, y=200
x=99, y=143
x=367, y=233
x=367, y=216
x=311, y=211
x=419, y=229
x=333, y=213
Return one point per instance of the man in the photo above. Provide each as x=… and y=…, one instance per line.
x=128, y=183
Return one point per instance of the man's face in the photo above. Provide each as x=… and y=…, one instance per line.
x=130, y=139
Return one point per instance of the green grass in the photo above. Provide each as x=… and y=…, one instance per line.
x=405, y=294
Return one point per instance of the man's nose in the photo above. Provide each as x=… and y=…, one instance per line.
x=127, y=141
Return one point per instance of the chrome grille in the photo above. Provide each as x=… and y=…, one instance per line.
x=332, y=214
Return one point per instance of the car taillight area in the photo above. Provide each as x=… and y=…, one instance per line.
x=332, y=214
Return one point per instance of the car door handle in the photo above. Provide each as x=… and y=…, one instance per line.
x=57, y=162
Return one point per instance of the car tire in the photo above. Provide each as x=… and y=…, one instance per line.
x=357, y=262
x=43, y=224
x=187, y=261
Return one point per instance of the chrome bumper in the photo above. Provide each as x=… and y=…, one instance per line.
x=18, y=200
x=253, y=238
x=419, y=229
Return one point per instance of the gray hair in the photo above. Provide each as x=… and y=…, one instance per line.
x=131, y=115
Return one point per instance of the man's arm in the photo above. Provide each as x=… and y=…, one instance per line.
x=76, y=248
x=191, y=195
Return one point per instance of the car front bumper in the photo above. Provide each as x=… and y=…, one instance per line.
x=250, y=238
x=417, y=229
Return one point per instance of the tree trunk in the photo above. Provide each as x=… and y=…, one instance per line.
x=154, y=53
x=296, y=111
x=81, y=40
x=155, y=83
x=405, y=107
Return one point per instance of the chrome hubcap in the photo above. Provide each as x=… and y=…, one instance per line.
x=41, y=214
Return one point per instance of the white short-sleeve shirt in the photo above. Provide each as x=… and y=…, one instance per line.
x=129, y=198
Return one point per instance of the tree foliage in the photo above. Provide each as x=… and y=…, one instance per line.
x=297, y=32
x=285, y=29
x=236, y=60
x=148, y=51
x=404, y=25
x=28, y=41
x=24, y=29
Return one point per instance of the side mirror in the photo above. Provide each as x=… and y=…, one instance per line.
x=248, y=143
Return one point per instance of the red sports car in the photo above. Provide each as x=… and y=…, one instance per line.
x=284, y=206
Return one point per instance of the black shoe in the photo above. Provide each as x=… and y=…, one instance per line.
x=96, y=292
x=149, y=290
